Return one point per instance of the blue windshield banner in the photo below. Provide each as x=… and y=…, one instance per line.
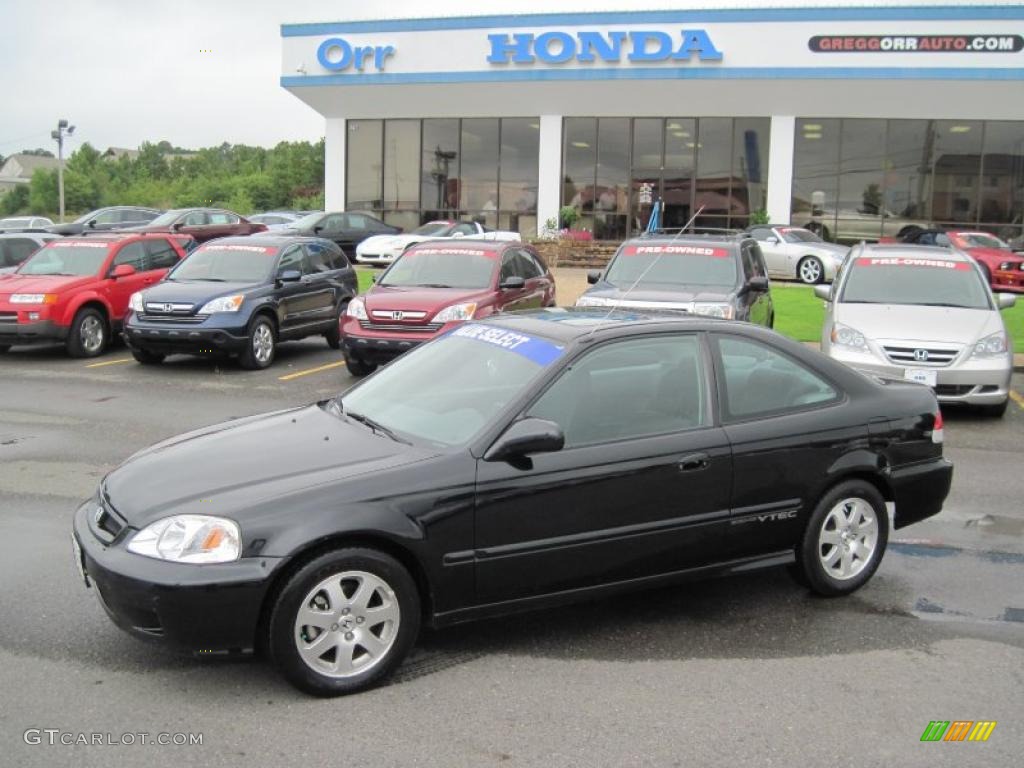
x=540, y=351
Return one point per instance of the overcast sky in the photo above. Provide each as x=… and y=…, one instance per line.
x=128, y=71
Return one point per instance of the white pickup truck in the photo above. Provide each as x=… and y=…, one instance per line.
x=384, y=249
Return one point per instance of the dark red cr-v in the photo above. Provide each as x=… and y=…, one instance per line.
x=436, y=285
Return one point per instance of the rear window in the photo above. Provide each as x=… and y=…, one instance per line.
x=669, y=265
x=443, y=267
x=915, y=281
x=67, y=257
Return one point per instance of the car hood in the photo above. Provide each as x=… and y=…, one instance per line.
x=232, y=467
x=392, y=241
x=915, y=323
x=416, y=298
x=17, y=283
x=193, y=292
x=995, y=255
x=652, y=299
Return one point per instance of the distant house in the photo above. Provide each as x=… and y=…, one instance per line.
x=18, y=169
x=116, y=153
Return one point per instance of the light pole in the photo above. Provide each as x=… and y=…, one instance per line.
x=63, y=129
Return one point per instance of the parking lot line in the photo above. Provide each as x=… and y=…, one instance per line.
x=1017, y=397
x=308, y=371
x=109, y=362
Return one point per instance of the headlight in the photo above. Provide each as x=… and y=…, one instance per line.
x=1005, y=266
x=725, y=311
x=845, y=336
x=33, y=298
x=456, y=312
x=189, y=539
x=135, y=302
x=593, y=301
x=990, y=346
x=223, y=304
x=357, y=309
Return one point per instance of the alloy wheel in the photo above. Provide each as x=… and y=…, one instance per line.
x=262, y=343
x=810, y=271
x=848, y=538
x=91, y=334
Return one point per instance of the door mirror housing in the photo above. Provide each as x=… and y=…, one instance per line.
x=177, y=225
x=756, y=284
x=122, y=270
x=1005, y=300
x=773, y=240
x=525, y=437
x=823, y=292
x=594, y=276
x=458, y=234
x=290, y=276
x=513, y=283
x=91, y=223
x=318, y=228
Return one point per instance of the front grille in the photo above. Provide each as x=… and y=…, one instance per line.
x=399, y=327
x=953, y=390
x=908, y=355
x=107, y=524
x=188, y=319
x=8, y=317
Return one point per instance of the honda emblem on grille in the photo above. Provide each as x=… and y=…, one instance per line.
x=397, y=315
x=168, y=307
x=98, y=516
x=921, y=355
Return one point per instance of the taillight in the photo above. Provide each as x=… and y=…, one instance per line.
x=937, y=435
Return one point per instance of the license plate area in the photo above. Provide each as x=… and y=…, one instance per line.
x=921, y=376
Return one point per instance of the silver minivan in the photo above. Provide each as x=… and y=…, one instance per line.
x=924, y=314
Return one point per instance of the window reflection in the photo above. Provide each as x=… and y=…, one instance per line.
x=365, y=147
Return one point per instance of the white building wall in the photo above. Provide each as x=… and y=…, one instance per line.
x=549, y=177
x=780, y=167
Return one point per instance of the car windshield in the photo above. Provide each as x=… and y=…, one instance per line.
x=917, y=281
x=432, y=228
x=979, y=240
x=66, y=258
x=443, y=267
x=226, y=264
x=308, y=222
x=447, y=391
x=800, y=236
x=166, y=219
x=661, y=266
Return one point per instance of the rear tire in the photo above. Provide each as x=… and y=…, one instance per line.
x=146, y=357
x=359, y=367
x=261, y=345
x=845, y=539
x=994, y=411
x=88, y=335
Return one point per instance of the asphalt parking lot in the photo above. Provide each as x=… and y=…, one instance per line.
x=745, y=671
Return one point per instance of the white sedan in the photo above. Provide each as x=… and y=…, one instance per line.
x=384, y=249
x=792, y=252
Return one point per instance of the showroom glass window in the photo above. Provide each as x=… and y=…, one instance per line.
x=413, y=171
x=615, y=169
x=857, y=179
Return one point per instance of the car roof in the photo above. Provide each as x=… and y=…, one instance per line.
x=270, y=239
x=690, y=238
x=910, y=251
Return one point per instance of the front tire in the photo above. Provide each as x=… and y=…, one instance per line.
x=261, y=345
x=845, y=539
x=146, y=357
x=359, y=367
x=994, y=411
x=344, y=622
x=88, y=334
x=810, y=270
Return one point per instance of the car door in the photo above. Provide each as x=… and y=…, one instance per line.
x=787, y=424
x=196, y=224
x=294, y=305
x=224, y=224
x=161, y=256
x=118, y=290
x=333, y=226
x=641, y=487
x=322, y=283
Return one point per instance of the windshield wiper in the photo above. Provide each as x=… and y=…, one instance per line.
x=376, y=426
x=940, y=304
x=434, y=285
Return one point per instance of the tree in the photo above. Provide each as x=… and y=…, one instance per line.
x=15, y=201
x=42, y=193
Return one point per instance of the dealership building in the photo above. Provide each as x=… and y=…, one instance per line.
x=860, y=120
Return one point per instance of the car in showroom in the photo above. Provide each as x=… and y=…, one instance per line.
x=852, y=222
x=436, y=286
x=794, y=253
x=16, y=247
x=202, y=224
x=524, y=461
x=1002, y=267
x=76, y=290
x=346, y=228
x=922, y=313
x=106, y=219
x=25, y=224
x=381, y=250
x=242, y=296
x=705, y=274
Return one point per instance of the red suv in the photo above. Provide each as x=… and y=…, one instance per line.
x=76, y=289
x=435, y=286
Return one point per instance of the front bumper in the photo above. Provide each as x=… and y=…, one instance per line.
x=186, y=338
x=13, y=334
x=378, y=259
x=971, y=382
x=192, y=608
x=919, y=490
x=374, y=345
x=1008, y=281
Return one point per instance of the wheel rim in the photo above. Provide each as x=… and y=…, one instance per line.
x=347, y=624
x=91, y=334
x=848, y=538
x=262, y=342
x=810, y=271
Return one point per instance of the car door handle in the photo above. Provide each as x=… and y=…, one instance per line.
x=694, y=462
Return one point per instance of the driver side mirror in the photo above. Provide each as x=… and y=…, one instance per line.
x=773, y=240
x=122, y=270
x=290, y=276
x=594, y=276
x=823, y=292
x=91, y=223
x=513, y=283
x=527, y=436
x=177, y=225
x=757, y=284
x=1005, y=300
x=318, y=228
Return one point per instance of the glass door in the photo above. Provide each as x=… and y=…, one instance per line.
x=662, y=169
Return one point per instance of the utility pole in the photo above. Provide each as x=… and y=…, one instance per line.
x=63, y=129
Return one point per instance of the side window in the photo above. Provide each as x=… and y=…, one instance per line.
x=942, y=239
x=222, y=218
x=333, y=223
x=509, y=267
x=15, y=250
x=629, y=389
x=292, y=259
x=323, y=258
x=761, y=381
x=527, y=266
x=133, y=254
x=358, y=221
x=466, y=229
x=197, y=219
x=761, y=233
x=161, y=254
x=747, y=259
x=109, y=217
x=757, y=259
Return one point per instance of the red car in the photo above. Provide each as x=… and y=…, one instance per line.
x=435, y=286
x=1003, y=268
x=76, y=289
x=202, y=223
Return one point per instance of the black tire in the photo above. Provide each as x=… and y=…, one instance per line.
x=4, y=349
x=146, y=357
x=82, y=340
x=822, y=579
x=907, y=231
x=393, y=591
x=333, y=336
x=250, y=358
x=994, y=411
x=359, y=367
x=814, y=268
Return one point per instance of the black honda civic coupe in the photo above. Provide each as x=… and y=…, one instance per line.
x=525, y=461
